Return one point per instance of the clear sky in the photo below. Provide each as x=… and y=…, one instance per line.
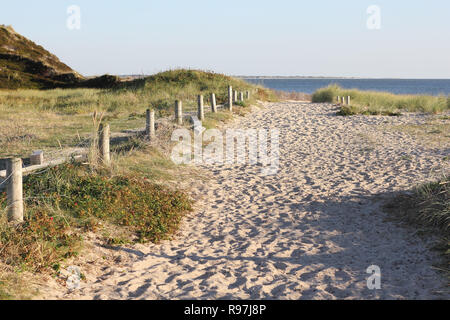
x=242, y=37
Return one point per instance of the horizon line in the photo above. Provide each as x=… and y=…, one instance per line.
x=301, y=77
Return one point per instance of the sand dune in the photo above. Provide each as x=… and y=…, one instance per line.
x=308, y=232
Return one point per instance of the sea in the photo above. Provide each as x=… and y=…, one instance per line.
x=433, y=87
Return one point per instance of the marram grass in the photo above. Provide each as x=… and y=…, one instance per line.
x=381, y=103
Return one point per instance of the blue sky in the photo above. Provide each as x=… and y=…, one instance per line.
x=246, y=37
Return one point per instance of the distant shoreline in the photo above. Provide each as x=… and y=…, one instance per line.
x=319, y=78
x=140, y=76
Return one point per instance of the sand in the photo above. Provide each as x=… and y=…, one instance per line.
x=308, y=232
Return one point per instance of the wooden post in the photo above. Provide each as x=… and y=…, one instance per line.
x=213, y=103
x=248, y=95
x=343, y=101
x=37, y=158
x=103, y=144
x=230, y=98
x=241, y=96
x=201, y=112
x=150, y=124
x=14, y=190
x=235, y=96
x=348, y=100
x=179, y=112
x=338, y=99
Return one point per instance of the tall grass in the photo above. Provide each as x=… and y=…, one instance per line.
x=428, y=209
x=35, y=119
x=374, y=103
x=157, y=91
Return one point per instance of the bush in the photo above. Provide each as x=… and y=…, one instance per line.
x=325, y=95
x=152, y=211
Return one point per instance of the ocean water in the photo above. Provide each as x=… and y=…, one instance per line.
x=397, y=86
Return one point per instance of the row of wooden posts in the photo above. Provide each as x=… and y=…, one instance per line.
x=233, y=96
x=343, y=100
x=15, y=170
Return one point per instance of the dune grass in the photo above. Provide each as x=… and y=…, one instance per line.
x=381, y=103
x=427, y=208
x=35, y=119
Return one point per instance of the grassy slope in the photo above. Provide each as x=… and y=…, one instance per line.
x=24, y=64
x=374, y=103
x=34, y=119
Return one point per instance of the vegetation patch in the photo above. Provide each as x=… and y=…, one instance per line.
x=432, y=133
x=427, y=208
x=381, y=103
x=215, y=120
x=43, y=120
x=71, y=199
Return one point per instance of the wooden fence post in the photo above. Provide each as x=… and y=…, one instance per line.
x=241, y=96
x=103, y=144
x=37, y=158
x=201, y=111
x=343, y=101
x=248, y=95
x=213, y=103
x=348, y=100
x=338, y=99
x=14, y=190
x=179, y=112
x=230, y=98
x=235, y=96
x=150, y=124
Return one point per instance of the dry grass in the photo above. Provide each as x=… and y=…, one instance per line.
x=55, y=119
x=433, y=133
x=295, y=96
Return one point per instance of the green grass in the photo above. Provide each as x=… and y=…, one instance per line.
x=215, y=120
x=381, y=103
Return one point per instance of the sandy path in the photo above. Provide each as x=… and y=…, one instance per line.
x=309, y=232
